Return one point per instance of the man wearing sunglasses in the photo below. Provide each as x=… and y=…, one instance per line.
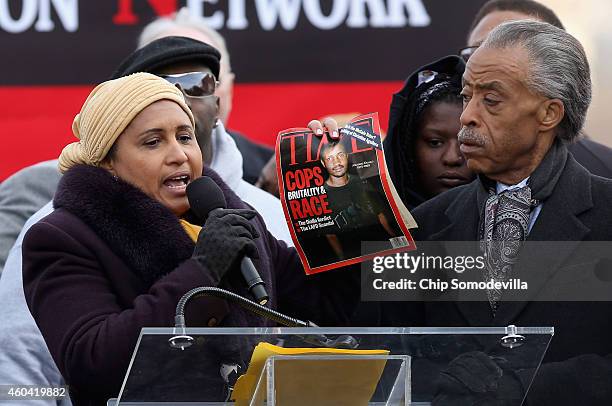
x=596, y=157
x=186, y=24
x=199, y=88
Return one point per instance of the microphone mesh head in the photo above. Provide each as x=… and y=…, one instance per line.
x=204, y=196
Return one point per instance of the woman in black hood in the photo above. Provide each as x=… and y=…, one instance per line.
x=421, y=148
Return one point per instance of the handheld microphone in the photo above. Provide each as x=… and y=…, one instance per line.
x=204, y=198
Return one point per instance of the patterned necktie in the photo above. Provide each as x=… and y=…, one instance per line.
x=505, y=227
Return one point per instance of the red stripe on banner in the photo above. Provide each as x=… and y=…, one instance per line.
x=36, y=121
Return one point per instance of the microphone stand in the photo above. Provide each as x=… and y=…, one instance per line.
x=182, y=340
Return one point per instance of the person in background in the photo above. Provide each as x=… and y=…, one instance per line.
x=122, y=246
x=421, y=148
x=21, y=195
x=26, y=359
x=594, y=156
x=185, y=24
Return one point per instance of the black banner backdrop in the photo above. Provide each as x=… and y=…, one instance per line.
x=334, y=56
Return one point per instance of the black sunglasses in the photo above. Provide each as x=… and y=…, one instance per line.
x=194, y=84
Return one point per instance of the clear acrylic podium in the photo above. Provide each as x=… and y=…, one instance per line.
x=191, y=366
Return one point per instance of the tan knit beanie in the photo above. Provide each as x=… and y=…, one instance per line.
x=108, y=110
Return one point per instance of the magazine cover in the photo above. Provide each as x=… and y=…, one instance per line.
x=336, y=194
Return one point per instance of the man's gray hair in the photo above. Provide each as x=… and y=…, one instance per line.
x=184, y=19
x=558, y=67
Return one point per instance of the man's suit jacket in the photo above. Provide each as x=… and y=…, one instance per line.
x=577, y=368
x=594, y=156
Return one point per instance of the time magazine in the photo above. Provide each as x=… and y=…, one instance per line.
x=341, y=207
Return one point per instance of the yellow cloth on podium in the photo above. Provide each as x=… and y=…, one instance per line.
x=313, y=382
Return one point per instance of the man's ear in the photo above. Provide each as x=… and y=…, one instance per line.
x=217, y=117
x=230, y=77
x=550, y=114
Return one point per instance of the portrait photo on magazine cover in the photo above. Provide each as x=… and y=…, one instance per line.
x=337, y=197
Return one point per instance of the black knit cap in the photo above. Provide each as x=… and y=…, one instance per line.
x=168, y=51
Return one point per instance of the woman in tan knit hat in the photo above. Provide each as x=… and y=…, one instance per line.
x=122, y=246
x=140, y=129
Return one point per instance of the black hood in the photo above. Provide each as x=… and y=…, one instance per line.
x=451, y=65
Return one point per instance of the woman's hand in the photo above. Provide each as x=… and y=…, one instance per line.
x=329, y=124
x=226, y=238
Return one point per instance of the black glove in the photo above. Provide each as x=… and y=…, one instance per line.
x=474, y=378
x=226, y=238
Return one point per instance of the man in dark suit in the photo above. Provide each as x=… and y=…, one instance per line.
x=596, y=157
x=526, y=91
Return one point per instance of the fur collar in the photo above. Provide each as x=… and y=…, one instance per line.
x=140, y=230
